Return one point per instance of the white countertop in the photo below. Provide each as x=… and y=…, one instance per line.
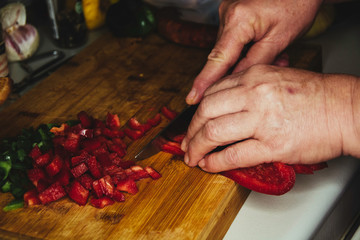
x=314, y=200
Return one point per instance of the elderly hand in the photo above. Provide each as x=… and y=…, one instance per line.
x=274, y=114
x=270, y=25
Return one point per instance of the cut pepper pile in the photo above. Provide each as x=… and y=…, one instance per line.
x=85, y=162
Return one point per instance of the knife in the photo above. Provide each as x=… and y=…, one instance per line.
x=178, y=126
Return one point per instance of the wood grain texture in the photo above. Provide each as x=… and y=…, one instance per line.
x=130, y=77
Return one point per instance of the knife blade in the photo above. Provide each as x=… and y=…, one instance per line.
x=178, y=126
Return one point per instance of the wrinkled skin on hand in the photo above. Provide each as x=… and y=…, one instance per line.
x=270, y=25
x=273, y=114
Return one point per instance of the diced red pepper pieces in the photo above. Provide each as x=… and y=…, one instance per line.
x=35, y=152
x=107, y=185
x=52, y=193
x=94, y=167
x=58, y=141
x=119, y=142
x=112, y=121
x=100, y=150
x=134, y=124
x=42, y=184
x=104, y=159
x=173, y=148
x=152, y=172
x=97, y=188
x=43, y=159
x=35, y=174
x=101, y=202
x=83, y=157
x=112, y=133
x=168, y=113
x=87, y=160
x=72, y=142
x=127, y=185
x=155, y=120
x=86, y=180
x=85, y=119
x=126, y=164
x=78, y=193
x=55, y=166
x=98, y=123
x=63, y=178
x=117, y=149
x=79, y=170
x=31, y=198
x=139, y=172
x=90, y=145
x=118, y=196
x=133, y=134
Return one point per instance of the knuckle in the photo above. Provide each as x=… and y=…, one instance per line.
x=232, y=156
x=203, y=109
x=212, y=131
x=216, y=55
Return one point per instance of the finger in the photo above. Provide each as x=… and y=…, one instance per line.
x=219, y=132
x=247, y=153
x=260, y=53
x=231, y=81
x=222, y=57
x=214, y=106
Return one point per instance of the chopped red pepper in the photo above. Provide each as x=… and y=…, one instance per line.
x=173, y=148
x=113, y=121
x=168, y=113
x=155, y=120
x=133, y=134
x=85, y=119
x=268, y=178
x=308, y=168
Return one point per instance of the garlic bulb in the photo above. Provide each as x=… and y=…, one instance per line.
x=13, y=14
x=21, y=39
x=21, y=42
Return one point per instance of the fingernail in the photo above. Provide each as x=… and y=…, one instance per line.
x=191, y=97
x=186, y=159
x=184, y=145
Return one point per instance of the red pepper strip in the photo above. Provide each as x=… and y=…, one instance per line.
x=308, y=168
x=155, y=120
x=268, y=178
x=133, y=134
x=173, y=148
x=136, y=125
x=169, y=114
x=179, y=138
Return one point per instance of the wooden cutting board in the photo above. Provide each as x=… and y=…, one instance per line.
x=130, y=77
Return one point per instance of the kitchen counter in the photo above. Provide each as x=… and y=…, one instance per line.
x=323, y=205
